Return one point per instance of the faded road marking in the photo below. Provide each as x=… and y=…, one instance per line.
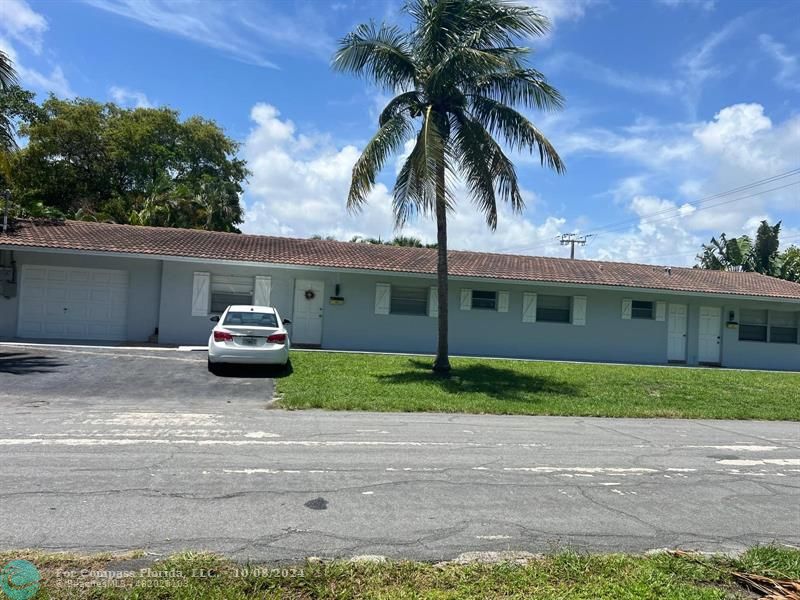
x=764, y=461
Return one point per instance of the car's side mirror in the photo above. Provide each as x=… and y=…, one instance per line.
x=287, y=322
x=215, y=318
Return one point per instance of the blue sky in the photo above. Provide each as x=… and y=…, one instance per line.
x=668, y=102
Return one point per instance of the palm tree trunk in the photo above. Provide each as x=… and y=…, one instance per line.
x=442, y=363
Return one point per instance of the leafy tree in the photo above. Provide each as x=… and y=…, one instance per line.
x=761, y=256
x=790, y=264
x=400, y=240
x=456, y=75
x=726, y=253
x=142, y=166
x=765, y=250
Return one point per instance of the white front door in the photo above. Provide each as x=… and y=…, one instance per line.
x=676, y=333
x=72, y=303
x=307, y=317
x=708, y=350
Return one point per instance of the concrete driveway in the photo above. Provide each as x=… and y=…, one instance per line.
x=115, y=449
x=120, y=378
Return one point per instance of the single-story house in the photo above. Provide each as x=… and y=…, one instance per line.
x=97, y=281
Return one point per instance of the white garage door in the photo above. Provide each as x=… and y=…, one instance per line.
x=72, y=303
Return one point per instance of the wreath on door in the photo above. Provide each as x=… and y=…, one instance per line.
x=310, y=294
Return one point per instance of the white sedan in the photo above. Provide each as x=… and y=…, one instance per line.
x=251, y=335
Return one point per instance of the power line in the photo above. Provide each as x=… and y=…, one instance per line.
x=647, y=219
x=742, y=188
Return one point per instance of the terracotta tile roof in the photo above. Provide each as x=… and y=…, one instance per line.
x=158, y=241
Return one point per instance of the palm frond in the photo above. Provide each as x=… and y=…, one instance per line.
x=472, y=154
x=517, y=130
x=464, y=63
x=7, y=141
x=479, y=151
x=389, y=138
x=499, y=23
x=523, y=86
x=382, y=55
x=415, y=188
x=410, y=102
x=8, y=75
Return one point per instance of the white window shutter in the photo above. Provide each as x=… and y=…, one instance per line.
x=201, y=296
x=433, y=301
x=661, y=311
x=466, y=299
x=383, y=296
x=528, y=307
x=502, y=301
x=263, y=290
x=579, y=310
x=627, y=305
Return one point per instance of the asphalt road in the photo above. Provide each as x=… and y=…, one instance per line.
x=182, y=461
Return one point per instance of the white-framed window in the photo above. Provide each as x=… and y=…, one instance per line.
x=483, y=300
x=642, y=309
x=782, y=327
x=553, y=309
x=753, y=325
x=407, y=300
x=227, y=290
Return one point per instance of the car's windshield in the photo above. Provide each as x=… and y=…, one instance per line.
x=252, y=319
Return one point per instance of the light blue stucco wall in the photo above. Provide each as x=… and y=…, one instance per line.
x=144, y=281
x=605, y=337
x=160, y=295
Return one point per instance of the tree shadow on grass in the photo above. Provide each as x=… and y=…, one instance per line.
x=499, y=383
x=21, y=363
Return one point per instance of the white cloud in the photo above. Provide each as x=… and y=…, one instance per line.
x=592, y=71
x=131, y=98
x=691, y=72
x=55, y=81
x=701, y=4
x=738, y=146
x=698, y=65
x=22, y=23
x=664, y=241
x=562, y=10
x=301, y=179
x=300, y=183
x=788, y=74
x=244, y=30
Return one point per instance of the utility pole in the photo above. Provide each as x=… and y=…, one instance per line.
x=571, y=239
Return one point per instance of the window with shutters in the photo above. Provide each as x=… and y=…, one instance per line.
x=753, y=325
x=642, y=309
x=228, y=290
x=409, y=300
x=553, y=309
x=782, y=327
x=483, y=300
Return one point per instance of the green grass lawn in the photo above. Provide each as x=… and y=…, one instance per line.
x=565, y=575
x=341, y=381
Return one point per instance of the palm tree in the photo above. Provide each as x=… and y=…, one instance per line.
x=456, y=75
x=8, y=78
